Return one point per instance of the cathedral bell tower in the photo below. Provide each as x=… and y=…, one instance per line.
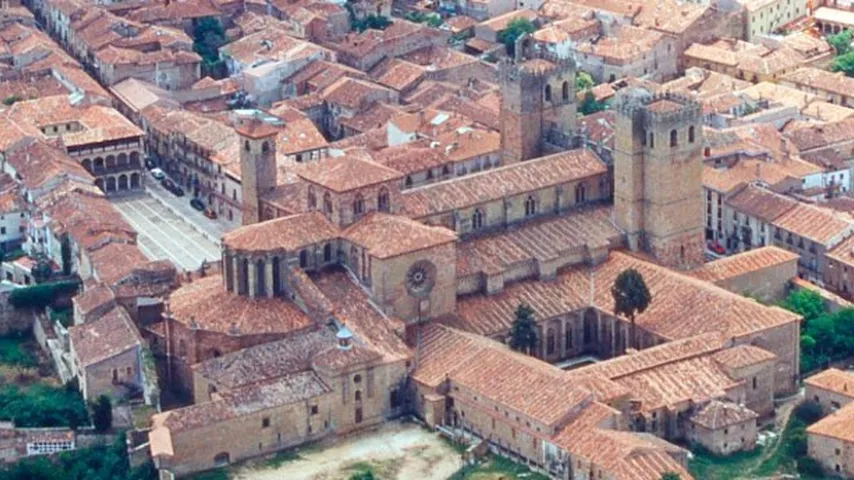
x=537, y=94
x=258, y=170
x=658, y=168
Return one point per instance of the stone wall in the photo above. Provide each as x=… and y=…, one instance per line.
x=13, y=320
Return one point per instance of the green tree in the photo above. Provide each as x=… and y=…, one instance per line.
x=515, y=29
x=583, y=81
x=805, y=303
x=523, y=333
x=844, y=63
x=208, y=36
x=670, y=476
x=841, y=42
x=631, y=296
x=362, y=476
x=590, y=105
x=102, y=413
x=65, y=250
x=844, y=323
x=42, y=271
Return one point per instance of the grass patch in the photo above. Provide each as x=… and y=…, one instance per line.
x=15, y=351
x=280, y=458
x=497, y=467
x=218, y=474
x=709, y=466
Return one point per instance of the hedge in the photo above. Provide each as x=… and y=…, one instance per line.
x=41, y=296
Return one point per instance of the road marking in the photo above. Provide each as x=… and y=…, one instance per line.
x=190, y=255
x=136, y=225
x=200, y=250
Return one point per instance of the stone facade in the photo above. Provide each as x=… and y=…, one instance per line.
x=658, y=177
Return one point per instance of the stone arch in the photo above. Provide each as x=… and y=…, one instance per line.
x=99, y=163
x=246, y=145
x=134, y=180
x=243, y=277
x=477, y=219
x=327, y=203
x=303, y=258
x=122, y=159
x=358, y=205
x=87, y=164
x=327, y=253
x=134, y=159
x=111, y=184
x=674, y=138
x=354, y=259
x=99, y=182
x=111, y=161
x=565, y=91
x=530, y=206
x=547, y=93
x=277, y=276
x=221, y=459
x=691, y=134
x=260, y=278
x=265, y=147
x=591, y=327
x=383, y=203
x=123, y=182
x=580, y=193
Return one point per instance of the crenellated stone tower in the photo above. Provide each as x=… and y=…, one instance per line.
x=258, y=170
x=658, y=183
x=537, y=93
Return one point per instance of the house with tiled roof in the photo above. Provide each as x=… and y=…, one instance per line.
x=830, y=440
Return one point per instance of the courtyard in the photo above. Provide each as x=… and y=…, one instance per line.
x=164, y=235
x=393, y=451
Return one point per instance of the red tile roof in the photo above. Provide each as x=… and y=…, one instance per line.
x=385, y=235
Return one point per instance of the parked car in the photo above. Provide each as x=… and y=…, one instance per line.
x=197, y=204
x=210, y=213
x=717, y=248
x=172, y=187
x=158, y=174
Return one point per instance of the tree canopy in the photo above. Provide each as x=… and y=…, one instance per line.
x=208, y=36
x=523, y=333
x=590, y=105
x=102, y=413
x=583, y=81
x=825, y=336
x=515, y=29
x=631, y=296
x=841, y=42
x=844, y=63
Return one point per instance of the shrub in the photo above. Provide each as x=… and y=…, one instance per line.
x=809, y=412
x=810, y=467
x=43, y=406
x=102, y=413
x=41, y=296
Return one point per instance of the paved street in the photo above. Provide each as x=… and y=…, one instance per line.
x=166, y=235
x=181, y=205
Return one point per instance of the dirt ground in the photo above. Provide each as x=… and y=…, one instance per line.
x=393, y=451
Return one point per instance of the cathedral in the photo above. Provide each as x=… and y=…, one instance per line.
x=350, y=297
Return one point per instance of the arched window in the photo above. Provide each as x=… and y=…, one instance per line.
x=312, y=199
x=382, y=200
x=691, y=134
x=580, y=193
x=265, y=147
x=246, y=145
x=548, y=93
x=244, y=277
x=565, y=91
x=221, y=459
x=327, y=203
x=530, y=206
x=358, y=205
x=303, y=258
x=446, y=170
x=358, y=395
x=674, y=138
x=327, y=253
x=408, y=182
x=651, y=140
x=260, y=278
x=477, y=219
x=277, y=276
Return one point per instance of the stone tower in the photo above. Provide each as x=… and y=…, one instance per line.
x=537, y=93
x=258, y=169
x=658, y=183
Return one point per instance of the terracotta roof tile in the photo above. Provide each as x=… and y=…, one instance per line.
x=743, y=356
x=745, y=262
x=342, y=174
x=814, y=224
x=833, y=380
x=839, y=425
x=385, y=235
x=289, y=233
x=501, y=182
x=206, y=304
x=760, y=203
x=717, y=414
x=103, y=338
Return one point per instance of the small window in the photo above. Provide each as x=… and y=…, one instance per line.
x=674, y=138
x=691, y=134
x=314, y=409
x=357, y=378
x=265, y=422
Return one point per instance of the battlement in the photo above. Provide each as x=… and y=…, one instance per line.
x=532, y=62
x=658, y=107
